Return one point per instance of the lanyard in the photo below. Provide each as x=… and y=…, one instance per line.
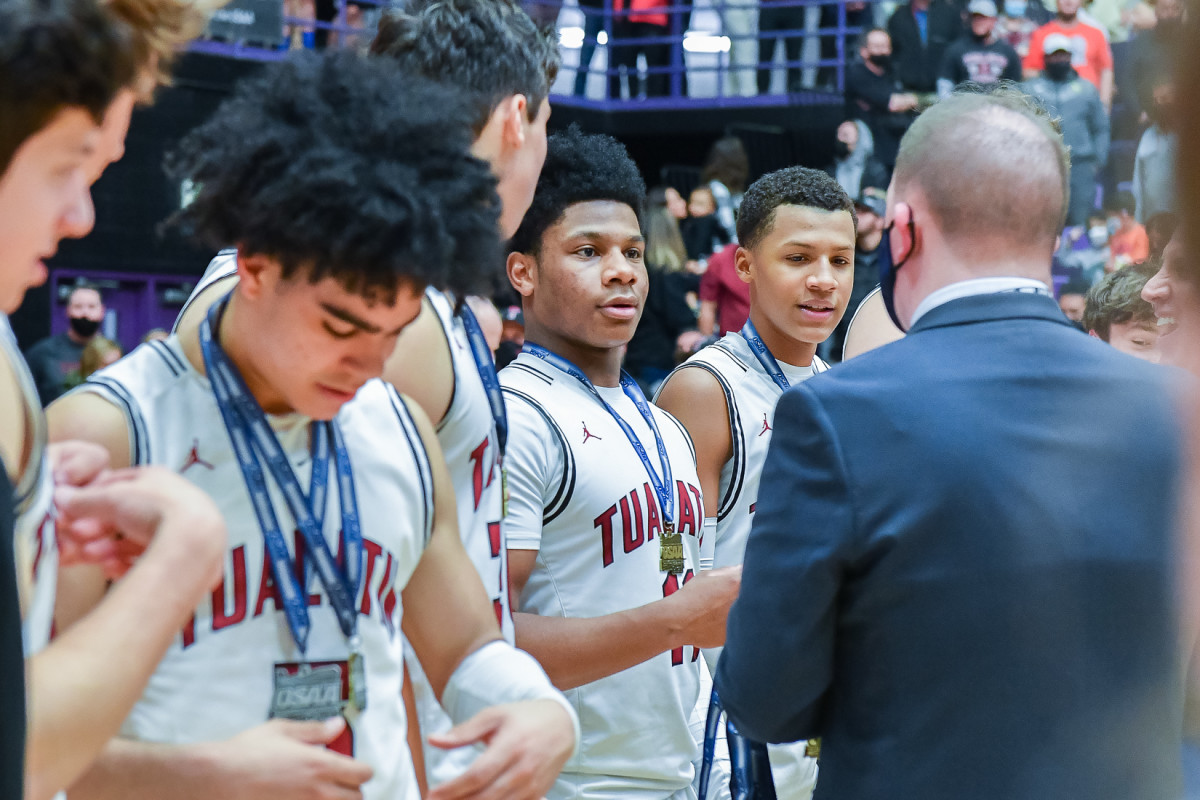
x=664, y=487
x=487, y=373
x=255, y=442
x=750, y=334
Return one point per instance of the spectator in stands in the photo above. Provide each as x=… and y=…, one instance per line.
x=1018, y=20
x=921, y=30
x=634, y=20
x=1157, y=153
x=739, y=22
x=873, y=95
x=979, y=56
x=726, y=171
x=54, y=358
x=724, y=297
x=1154, y=52
x=593, y=23
x=702, y=232
x=860, y=15
x=854, y=164
x=1084, y=121
x=1072, y=300
x=775, y=16
x=1128, y=241
x=98, y=354
x=1117, y=314
x=1083, y=254
x=870, y=208
x=1090, y=53
x=1119, y=18
x=668, y=323
x=676, y=204
x=1159, y=230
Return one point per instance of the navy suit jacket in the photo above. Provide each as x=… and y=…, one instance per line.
x=960, y=573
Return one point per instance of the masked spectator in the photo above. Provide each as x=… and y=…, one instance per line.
x=854, y=164
x=980, y=56
x=1090, y=53
x=874, y=95
x=53, y=359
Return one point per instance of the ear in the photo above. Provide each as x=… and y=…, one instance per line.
x=907, y=233
x=1094, y=335
x=522, y=273
x=255, y=273
x=514, y=119
x=743, y=262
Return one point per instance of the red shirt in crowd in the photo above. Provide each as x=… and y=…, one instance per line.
x=1090, y=52
x=721, y=285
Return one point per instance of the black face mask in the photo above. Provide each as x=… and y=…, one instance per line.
x=841, y=149
x=883, y=62
x=83, y=327
x=1058, y=71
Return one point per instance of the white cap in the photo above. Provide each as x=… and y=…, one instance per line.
x=984, y=8
x=1055, y=42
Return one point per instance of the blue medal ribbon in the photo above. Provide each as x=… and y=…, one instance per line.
x=253, y=443
x=487, y=373
x=750, y=334
x=664, y=486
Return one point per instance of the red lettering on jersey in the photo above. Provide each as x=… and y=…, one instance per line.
x=374, y=551
x=695, y=490
x=499, y=609
x=267, y=589
x=219, y=618
x=387, y=600
x=687, y=515
x=653, y=521
x=635, y=536
x=670, y=587
x=189, y=633
x=604, y=523
x=41, y=547
x=477, y=470
x=494, y=538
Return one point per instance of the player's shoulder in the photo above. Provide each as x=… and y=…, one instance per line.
x=527, y=375
x=152, y=370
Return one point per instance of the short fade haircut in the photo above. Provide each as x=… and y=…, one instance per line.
x=159, y=30
x=793, y=186
x=580, y=167
x=1116, y=299
x=55, y=55
x=488, y=48
x=338, y=165
x=991, y=165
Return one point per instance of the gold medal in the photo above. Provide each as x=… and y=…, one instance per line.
x=357, y=682
x=670, y=550
x=812, y=748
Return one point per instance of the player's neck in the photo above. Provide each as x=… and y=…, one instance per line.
x=785, y=349
x=601, y=365
x=237, y=340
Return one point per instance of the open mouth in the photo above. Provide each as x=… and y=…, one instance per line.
x=621, y=309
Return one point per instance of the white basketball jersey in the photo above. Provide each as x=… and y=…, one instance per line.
x=582, y=498
x=34, y=539
x=216, y=680
x=223, y=265
x=751, y=396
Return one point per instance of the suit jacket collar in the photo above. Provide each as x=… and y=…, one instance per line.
x=991, y=308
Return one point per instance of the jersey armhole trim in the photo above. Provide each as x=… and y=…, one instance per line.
x=566, y=485
x=119, y=396
x=420, y=457
x=738, y=476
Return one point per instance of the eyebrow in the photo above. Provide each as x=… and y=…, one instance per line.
x=355, y=320
x=802, y=243
x=599, y=235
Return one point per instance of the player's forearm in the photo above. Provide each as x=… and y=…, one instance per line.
x=707, y=322
x=128, y=770
x=83, y=685
x=1106, y=89
x=576, y=651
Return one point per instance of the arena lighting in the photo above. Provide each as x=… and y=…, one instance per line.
x=572, y=37
x=702, y=42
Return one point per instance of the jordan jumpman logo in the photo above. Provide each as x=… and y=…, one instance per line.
x=194, y=458
x=766, y=426
x=589, y=435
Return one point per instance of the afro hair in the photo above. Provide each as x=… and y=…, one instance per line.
x=793, y=186
x=490, y=48
x=341, y=165
x=580, y=167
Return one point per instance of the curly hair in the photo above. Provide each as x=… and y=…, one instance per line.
x=579, y=167
x=159, y=30
x=793, y=186
x=489, y=48
x=57, y=54
x=1116, y=299
x=338, y=165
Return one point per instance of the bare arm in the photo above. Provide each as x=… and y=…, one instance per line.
x=694, y=397
x=1106, y=89
x=870, y=328
x=576, y=651
x=420, y=366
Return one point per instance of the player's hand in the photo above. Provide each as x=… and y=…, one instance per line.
x=76, y=463
x=284, y=760
x=690, y=341
x=111, y=521
x=527, y=745
x=703, y=605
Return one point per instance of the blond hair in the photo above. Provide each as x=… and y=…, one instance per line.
x=159, y=30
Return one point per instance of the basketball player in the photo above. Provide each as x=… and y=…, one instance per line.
x=605, y=508
x=52, y=107
x=797, y=233
x=493, y=51
x=342, y=214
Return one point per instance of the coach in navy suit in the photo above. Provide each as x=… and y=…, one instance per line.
x=960, y=572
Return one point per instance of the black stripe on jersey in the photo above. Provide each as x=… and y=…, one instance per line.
x=738, y=476
x=687, y=437
x=819, y=366
x=442, y=323
x=546, y=379
x=232, y=251
x=421, y=456
x=120, y=397
x=566, y=487
x=166, y=355
x=732, y=355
